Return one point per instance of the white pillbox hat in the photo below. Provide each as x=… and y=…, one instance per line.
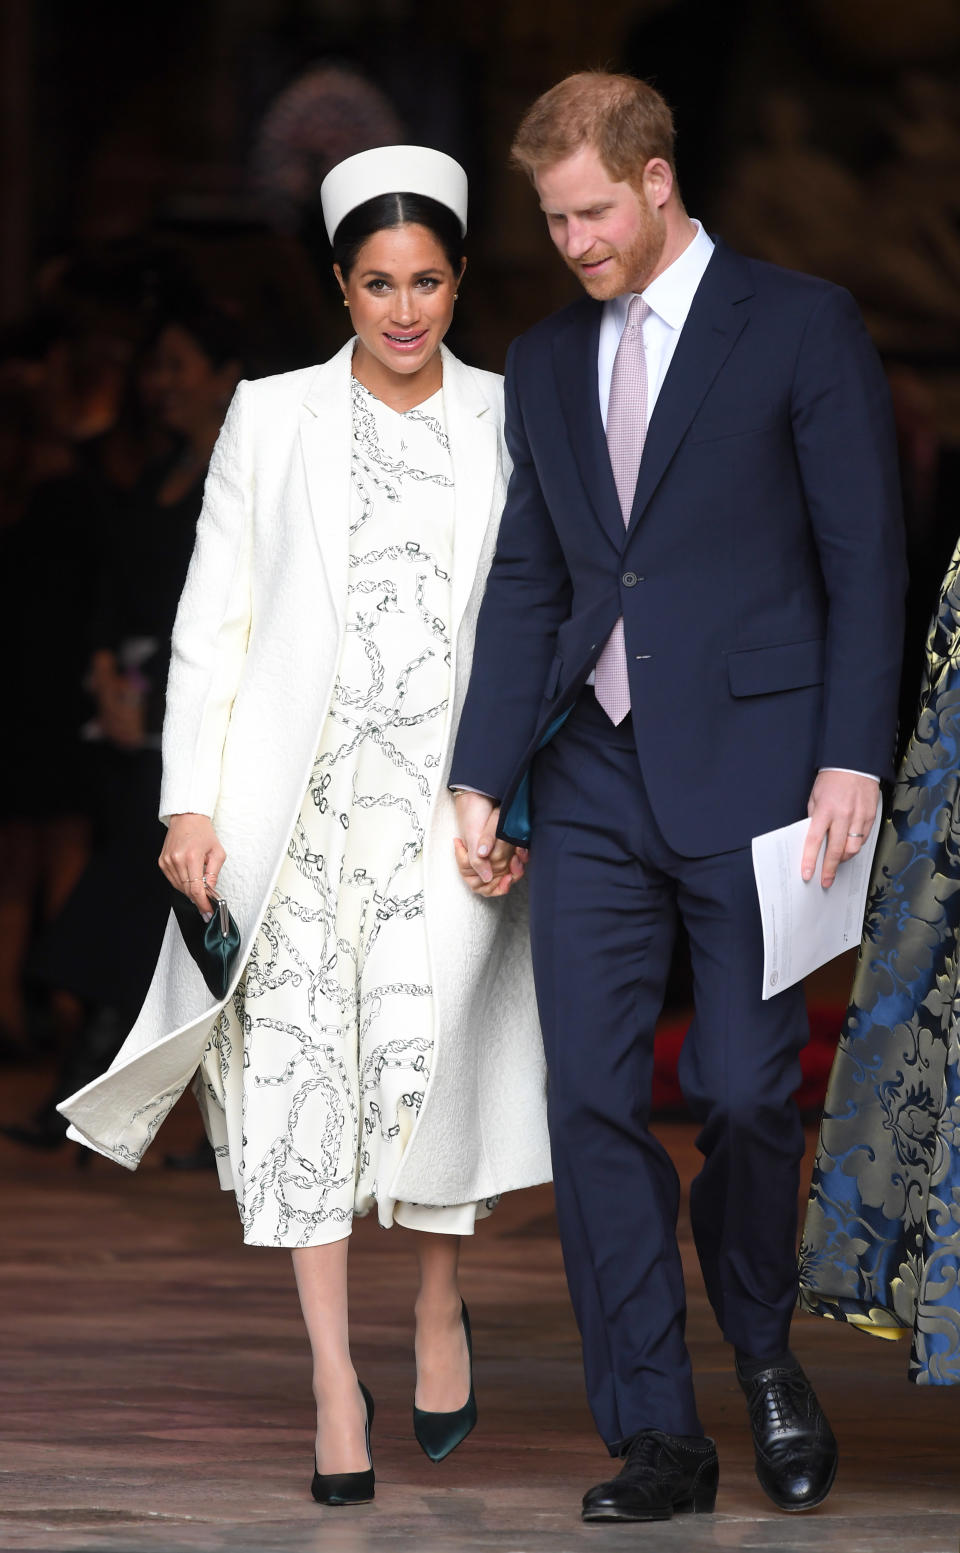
x=393, y=170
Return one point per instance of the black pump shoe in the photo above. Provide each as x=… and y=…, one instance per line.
x=440, y=1433
x=339, y=1488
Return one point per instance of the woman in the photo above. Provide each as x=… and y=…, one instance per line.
x=881, y=1246
x=381, y=1044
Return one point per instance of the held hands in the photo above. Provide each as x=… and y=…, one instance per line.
x=192, y=853
x=842, y=807
x=489, y=866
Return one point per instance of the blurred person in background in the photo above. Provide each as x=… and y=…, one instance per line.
x=930, y=479
x=62, y=380
x=102, y=946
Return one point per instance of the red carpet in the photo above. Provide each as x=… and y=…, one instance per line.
x=826, y=1020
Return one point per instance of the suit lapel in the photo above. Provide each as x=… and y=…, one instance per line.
x=472, y=432
x=326, y=437
x=575, y=359
x=716, y=319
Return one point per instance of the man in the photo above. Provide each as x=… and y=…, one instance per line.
x=677, y=651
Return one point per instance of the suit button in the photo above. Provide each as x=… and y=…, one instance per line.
x=630, y=579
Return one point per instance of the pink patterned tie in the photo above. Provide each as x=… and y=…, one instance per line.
x=626, y=430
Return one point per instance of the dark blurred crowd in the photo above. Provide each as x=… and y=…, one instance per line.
x=113, y=389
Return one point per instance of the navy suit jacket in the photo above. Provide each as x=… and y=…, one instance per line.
x=760, y=578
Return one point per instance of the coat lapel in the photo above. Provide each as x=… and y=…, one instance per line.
x=326, y=440
x=575, y=360
x=472, y=432
x=326, y=436
x=716, y=319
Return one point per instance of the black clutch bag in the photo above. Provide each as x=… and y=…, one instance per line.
x=214, y=945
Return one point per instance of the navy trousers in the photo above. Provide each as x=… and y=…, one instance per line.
x=606, y=891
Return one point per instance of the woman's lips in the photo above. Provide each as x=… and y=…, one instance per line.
x=405, y=342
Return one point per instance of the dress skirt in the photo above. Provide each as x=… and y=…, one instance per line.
x=881, y=1247
x=315, y=1074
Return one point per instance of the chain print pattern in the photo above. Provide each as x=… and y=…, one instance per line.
x=322, y=1061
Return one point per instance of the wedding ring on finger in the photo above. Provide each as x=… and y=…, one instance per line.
x=855, y=835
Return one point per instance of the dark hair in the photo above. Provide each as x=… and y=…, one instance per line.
x=386, y=211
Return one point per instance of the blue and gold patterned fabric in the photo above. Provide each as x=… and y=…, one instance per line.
x=881, y=1245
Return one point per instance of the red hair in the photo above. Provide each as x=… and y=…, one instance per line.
x=626, y=122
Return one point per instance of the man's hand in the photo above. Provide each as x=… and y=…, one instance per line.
x=192, y=854
x=842, y=807
x=487, y=865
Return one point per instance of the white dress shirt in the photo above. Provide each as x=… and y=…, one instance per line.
x=669, y=299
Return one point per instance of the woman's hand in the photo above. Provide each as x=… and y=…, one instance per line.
x=192, y=854
x=487, y=865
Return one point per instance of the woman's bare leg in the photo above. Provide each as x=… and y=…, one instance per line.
x=443, y=1364
x=321, y=1274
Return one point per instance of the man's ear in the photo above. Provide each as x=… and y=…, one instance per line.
x=658, y=181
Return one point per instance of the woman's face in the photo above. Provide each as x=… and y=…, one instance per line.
x=400, y=293
x=186, y=388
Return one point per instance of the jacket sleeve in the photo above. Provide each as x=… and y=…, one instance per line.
x=527, y=598
x=211, y=629
x=846, y=451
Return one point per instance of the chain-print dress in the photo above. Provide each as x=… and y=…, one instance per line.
x=320, y=1062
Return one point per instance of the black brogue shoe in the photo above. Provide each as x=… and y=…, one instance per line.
x=795, y=1448
x=662, y=1475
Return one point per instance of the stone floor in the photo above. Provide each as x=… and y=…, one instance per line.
x=156, y=1390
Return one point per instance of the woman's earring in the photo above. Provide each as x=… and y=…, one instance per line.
x=345, y=302
x=455, y=295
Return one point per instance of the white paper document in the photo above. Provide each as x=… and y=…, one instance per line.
x=805, y=925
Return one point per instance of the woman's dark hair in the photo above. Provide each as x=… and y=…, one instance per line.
x=386, y=211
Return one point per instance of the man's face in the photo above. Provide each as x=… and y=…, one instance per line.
x=607, y=233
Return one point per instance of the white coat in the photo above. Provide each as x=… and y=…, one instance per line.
x=256, y=648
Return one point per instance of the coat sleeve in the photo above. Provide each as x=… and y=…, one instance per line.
x=211, y=629
x=526, y=600
x=846, y=451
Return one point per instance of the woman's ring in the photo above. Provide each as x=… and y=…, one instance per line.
x=856, y=834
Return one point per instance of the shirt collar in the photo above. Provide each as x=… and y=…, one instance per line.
x=671, y=295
